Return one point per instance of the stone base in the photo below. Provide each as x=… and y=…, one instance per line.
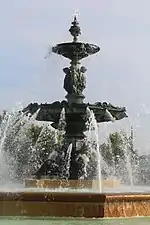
x=74, y=184
x=59, y=204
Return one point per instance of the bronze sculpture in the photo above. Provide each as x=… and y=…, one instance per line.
x=75, y=108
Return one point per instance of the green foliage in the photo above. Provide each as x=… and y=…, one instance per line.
x=2, y=115
x=106, y=153
x=118, y=144
x=116, y=152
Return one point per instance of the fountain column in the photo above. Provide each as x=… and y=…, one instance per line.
x=74, y=84
x=75, y=81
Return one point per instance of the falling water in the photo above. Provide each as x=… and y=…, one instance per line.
x=33, y=117
x=126, y=146
x=67, y=160
x=128, y=151
x=35, y=162
x=129, y=165
x=48, y=53
x=4, y=128
x=62, y=120
x=61, y=128
x=109, y=116
x=93, y=127
x=7, y=127
x=13, y=141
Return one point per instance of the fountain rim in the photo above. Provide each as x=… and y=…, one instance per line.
x=76, y=43
x=58, y=196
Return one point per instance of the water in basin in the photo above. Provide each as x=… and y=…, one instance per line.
x=49, y=221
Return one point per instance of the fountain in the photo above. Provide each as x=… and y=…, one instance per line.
x=74, y=108
x=71, y=189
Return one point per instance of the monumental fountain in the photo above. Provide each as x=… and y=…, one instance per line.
x=77, y=112
x=62, y=193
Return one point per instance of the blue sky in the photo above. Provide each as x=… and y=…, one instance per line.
x=119, y=74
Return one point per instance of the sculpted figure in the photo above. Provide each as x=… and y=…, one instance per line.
x=68, y=80
x=81, y=84
x=75, y=81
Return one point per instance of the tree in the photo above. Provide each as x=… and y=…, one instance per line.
x=119, y=155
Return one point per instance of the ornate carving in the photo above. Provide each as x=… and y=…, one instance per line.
x=75, y=81
x=75, y=29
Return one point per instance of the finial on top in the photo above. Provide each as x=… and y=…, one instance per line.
x=75, y=29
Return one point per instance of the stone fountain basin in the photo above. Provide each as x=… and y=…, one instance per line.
x=77, y=204
x=75, y=50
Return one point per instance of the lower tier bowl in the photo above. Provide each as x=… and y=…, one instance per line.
x=73, y=204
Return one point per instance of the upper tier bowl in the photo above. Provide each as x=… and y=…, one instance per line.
x=75, y=50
